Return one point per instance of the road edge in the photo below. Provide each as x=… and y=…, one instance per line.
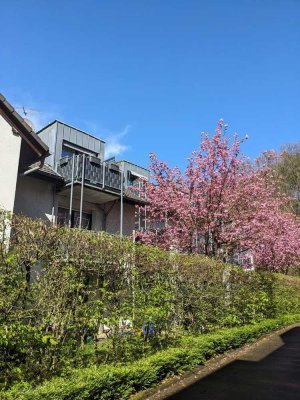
x=173, y=385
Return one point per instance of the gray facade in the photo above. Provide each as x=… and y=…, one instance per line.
x=65, y=141
x=60, y=175
x=93, y=188
x=58, y=134
x=133, y=172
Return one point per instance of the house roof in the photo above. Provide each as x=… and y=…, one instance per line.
x=22, y=128
x=131, y=163
x=45, y=170
x=70, y=126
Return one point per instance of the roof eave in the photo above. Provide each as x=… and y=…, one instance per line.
x=22, y=128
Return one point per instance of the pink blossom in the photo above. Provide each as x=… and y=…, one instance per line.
x=221, y=205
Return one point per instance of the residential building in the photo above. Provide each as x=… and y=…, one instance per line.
x=60, y=174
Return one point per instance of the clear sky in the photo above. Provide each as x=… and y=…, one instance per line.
x=150, y=75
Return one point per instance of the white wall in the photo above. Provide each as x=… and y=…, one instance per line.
x=34, y=197
x=9, y=163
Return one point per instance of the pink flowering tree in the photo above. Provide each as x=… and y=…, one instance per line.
x=220, y=206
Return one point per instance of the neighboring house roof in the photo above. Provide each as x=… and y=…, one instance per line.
x=22, y=128
x=129, y=162
x=45, y=170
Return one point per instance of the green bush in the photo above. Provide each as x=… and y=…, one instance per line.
x=18, y=345
x=64, y=284
x=119, y=382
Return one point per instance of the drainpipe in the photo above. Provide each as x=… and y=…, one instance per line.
x=81, y=194
x=53, y=204
x=30, y=171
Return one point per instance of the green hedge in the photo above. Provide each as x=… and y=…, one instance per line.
x=60, y=286
x=119, y=382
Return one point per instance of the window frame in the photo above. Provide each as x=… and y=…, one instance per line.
x=89, y=216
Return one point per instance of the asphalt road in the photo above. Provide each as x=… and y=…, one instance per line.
x=270, y=371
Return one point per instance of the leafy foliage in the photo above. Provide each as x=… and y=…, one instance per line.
x=285, y=167
x=119, y=382
x=76, y=299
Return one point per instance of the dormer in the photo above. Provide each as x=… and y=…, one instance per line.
x=64, y=140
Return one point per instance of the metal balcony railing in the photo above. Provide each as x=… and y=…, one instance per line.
x=96, y=173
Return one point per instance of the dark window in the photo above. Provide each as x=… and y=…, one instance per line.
x=133, y=180
x=67, y=152
x=140, y=219
x=63, y=218
x=86, y=220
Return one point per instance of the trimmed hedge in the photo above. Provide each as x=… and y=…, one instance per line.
x=119, y=382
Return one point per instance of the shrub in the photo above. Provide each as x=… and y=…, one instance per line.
x=119, y=382
x=65, y=284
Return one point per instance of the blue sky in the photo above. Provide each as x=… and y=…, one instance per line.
x=150, y=75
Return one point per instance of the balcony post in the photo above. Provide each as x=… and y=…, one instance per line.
x=121, y=201
x=103, y=174
x=81, y=193
x=72, y=188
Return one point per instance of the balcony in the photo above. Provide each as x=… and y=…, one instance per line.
x=96, y=173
